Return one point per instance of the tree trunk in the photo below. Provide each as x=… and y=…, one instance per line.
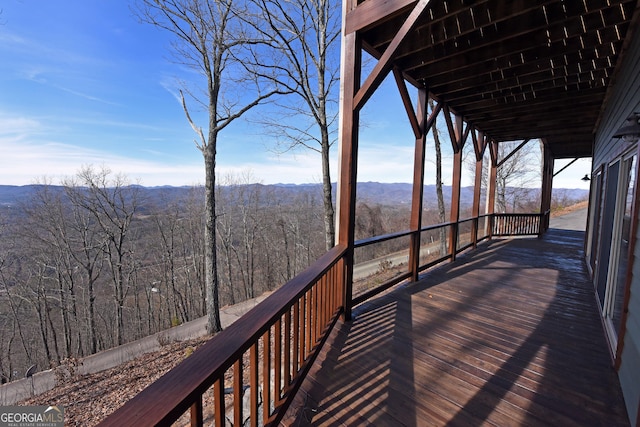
x=439, y=193
x=211, y=277
x=93, y=342
x=327, y=199
x=64, y=314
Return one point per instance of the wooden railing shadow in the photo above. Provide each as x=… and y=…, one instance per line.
x=378, y=337
x=575, y=358
x=372, y=393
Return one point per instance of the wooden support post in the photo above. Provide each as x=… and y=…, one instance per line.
x=455, y=203
x=479, y=146
x=547, y=187
x=457, y=142
x=491, y=191
x=348, y=162
x=418, y=184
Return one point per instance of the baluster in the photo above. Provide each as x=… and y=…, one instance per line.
x=266, y=377
x=296, y=338
x=287, y=349
x=196, y=413
x=314, y=315
x=309, y=323
x=237, y=392
x=321, y=312
x=218, y=402
x=277, y=362
x=253, y=383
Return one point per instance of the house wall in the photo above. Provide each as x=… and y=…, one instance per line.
x=624, y=100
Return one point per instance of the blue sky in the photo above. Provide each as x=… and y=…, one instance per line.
x=82, y=82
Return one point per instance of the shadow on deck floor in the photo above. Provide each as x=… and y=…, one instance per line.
x=507, y=335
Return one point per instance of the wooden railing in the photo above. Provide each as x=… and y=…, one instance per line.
x=251, y=371
x=469, y=231
x=260, y=359
x=516, y=224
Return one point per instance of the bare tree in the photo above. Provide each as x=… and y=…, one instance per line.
x=306, y=34
x=520, y=165
x=211, y=38
x=173, y=258
x=439, y=192
x=46, y=235
x=112, y=203
x=241, y=230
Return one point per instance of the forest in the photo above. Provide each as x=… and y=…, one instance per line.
x=97, y=262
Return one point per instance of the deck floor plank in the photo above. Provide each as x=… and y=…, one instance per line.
x=508, y=335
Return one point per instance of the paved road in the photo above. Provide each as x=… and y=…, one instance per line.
x=576, y=220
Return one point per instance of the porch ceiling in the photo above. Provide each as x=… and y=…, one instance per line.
x=515, y=69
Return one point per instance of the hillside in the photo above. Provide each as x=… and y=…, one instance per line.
x=88, y=399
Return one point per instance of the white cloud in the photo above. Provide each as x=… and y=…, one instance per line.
x=299, y=168
x=24, y=163
x=27, y=156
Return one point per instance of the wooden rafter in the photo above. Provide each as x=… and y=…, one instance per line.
x=384, y=65
x=371, y=12
x=516, y=70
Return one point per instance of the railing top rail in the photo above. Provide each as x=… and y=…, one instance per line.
x=378, y=239
x=172, y=395
x=384, y=237
x=518, y=214
x=436, y=226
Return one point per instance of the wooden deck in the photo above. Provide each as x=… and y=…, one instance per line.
x=508, y=335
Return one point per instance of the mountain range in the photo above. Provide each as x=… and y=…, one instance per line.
x=368, y=192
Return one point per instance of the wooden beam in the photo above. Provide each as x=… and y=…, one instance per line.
x=384, y=65
x=433, y=116
x=515, y=150
x=479, y=144
x=491, y=191
x=465, y=134
x=455, y=202
x=547, y=187
x=418, y=185
x=456, y=135
x=371, y=13
x=493, y=152
x=348, y=161
x=406, y=101
x=452, y=131
x=477, y=186
x=566, y=166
